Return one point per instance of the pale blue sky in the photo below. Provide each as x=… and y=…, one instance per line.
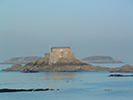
x=89, y=27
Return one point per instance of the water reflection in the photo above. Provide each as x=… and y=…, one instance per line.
x=59, y=76
x=50, y=79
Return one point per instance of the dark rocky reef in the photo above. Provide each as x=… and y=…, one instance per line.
x=29, y=71
x=24, y=90
x=100, y=59
x=120, y=75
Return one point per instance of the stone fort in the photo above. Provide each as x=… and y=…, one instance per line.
x=57, y=53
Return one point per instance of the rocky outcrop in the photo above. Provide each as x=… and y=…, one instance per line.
x=63, y=64
x=38, y=62
x=21, y=60
x=120, y=75
x=124, y=68
x=100, y=59
x=57, y=68
x=29, y=71
x=15, y=68
x=24, y=90
x=66, y=61
x=67, y=68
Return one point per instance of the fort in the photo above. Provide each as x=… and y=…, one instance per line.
x=58, y=53
x=61, y=59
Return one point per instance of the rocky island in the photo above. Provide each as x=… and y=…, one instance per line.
x=61, y=59
x=100, y=59
x=20, y=60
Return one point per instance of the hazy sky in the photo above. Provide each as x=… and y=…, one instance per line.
x=89, y=27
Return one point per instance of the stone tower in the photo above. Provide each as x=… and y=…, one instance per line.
x=57, y=53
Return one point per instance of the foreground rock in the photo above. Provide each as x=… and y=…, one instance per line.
x=25, y=90
x=124, y=68
x=67, y=68
x=28, y=71
x=120, y=75
x=56, y=68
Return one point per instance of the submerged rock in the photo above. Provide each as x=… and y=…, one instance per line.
x=24, y=90
x=107, y=89
x=120, y=75
x=29, y=71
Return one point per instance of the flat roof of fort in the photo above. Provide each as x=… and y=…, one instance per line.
x=59, y=47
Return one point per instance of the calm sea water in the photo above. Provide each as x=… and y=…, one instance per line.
x=72, y=85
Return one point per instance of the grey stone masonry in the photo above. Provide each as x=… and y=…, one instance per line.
x=59, y=52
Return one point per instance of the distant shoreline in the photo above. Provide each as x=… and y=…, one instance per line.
x=21, y=60
x=88, y=63
x=14, y=63
x=100, y=59
x=92, y=59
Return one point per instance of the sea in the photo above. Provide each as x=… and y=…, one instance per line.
x=71, y=85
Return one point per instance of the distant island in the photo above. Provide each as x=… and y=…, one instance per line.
x=92, y=59
x=100, y=59
x=21, y=60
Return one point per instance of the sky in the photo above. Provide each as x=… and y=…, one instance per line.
x=89, y=27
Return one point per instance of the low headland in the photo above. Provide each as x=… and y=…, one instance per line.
x=100, y=59
x=92, y=59
x=20, y=60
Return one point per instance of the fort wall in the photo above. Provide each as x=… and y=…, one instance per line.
x=47, y=55
x=59, y=52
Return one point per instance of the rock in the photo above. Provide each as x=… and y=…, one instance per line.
x=107, y=89
x=66, y=61
x=29, y=71
x=124, y=68
x=120, y=75
x=14, y=68
x=66, y=68
x=56, y=68
x=24, y=90
x=38, y=62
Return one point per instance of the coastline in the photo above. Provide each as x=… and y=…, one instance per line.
x=67, y=68
x=14, y=63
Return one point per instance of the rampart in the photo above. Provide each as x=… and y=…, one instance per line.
x=59, y=52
